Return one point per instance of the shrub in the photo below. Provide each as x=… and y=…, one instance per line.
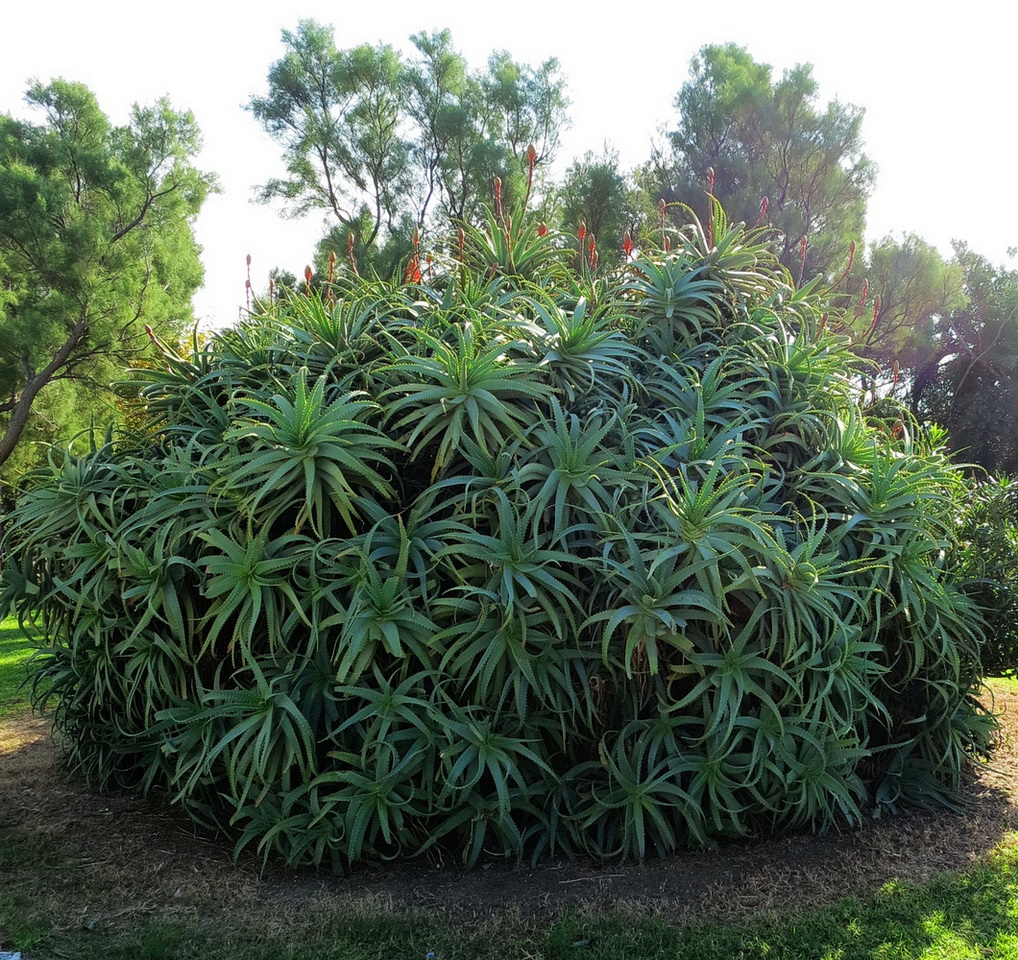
x=562, y=564
x=989, y=558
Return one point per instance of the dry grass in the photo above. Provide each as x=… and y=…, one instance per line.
x=104, y=860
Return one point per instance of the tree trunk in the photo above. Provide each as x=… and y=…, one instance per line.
x=35, y=383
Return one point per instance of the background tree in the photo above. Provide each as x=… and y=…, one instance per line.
x=95, y=240
x=896, y=296
x=382, y=143
x=595, y=192
x=970, y=383
x=766, y=138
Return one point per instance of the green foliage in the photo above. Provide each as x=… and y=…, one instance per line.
x=897, y=296
x=528, y=566
x=597, y=194
x=383, y=143
x=95, y=240
x=969, y=383
x=764, y=138
x=988, y=533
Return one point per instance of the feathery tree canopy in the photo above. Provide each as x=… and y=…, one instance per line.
x=95, y=241
x=767, y=138
x=384, y=143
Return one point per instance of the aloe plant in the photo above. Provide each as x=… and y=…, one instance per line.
x=502, y=560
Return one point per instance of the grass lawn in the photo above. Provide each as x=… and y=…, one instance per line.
x=119, y=878
x=15, y=649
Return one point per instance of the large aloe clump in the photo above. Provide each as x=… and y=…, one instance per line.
x=555, y=564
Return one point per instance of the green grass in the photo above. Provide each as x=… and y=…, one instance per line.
x=15, y=648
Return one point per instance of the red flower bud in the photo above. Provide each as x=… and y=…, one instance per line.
x=542, y=229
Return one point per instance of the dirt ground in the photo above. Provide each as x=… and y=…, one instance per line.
x=123, y=856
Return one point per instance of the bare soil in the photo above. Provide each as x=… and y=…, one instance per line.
x=107, y=858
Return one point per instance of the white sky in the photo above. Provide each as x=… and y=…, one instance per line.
x=937, y=81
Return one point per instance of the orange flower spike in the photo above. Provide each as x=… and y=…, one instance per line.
x=582, y=232
x=627, y=245
x=863, y=294
x=461, y=243
x=896, y=370
x=531, y=163
x=332, y=265
x=710, y=193
x=542, y=229
x=498, y=197
x=308, y=274
x=763, y=211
